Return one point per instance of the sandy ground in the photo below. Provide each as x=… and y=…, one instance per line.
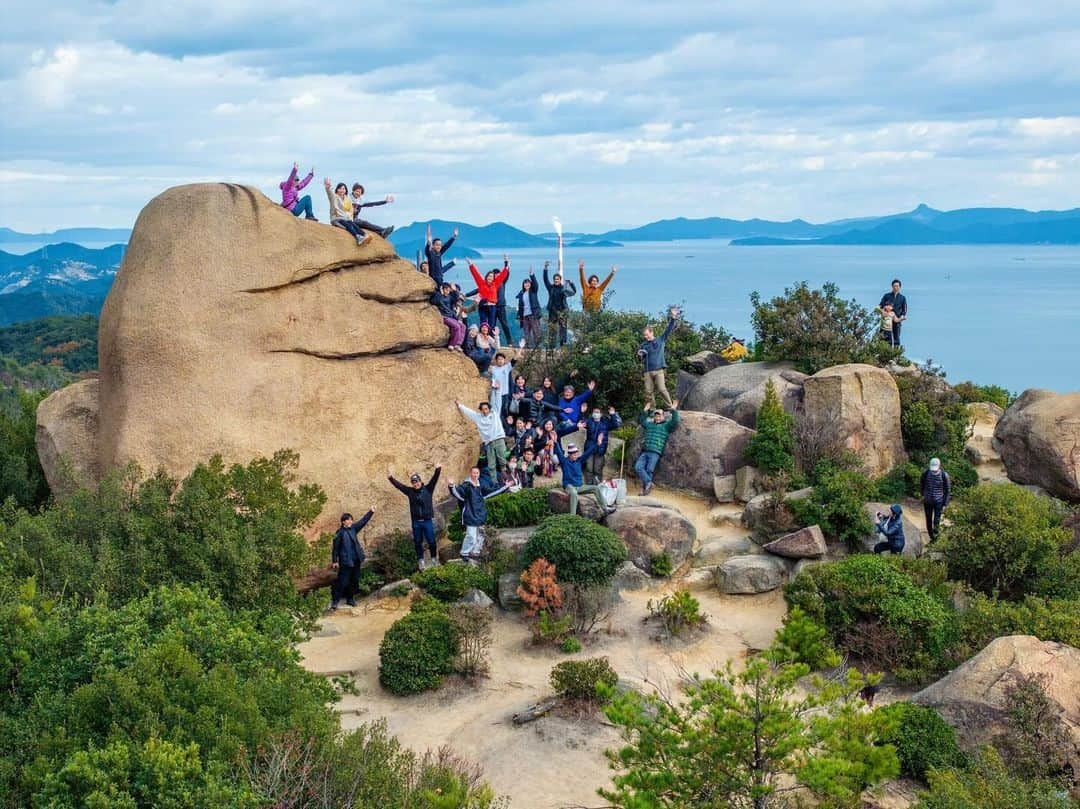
x=554, y=761
x=991, y=471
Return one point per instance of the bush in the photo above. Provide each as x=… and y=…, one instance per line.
x=987, y=618
x=550, y=629
x=803, y=640
x=923, y=740
x=1002, y=537
x=660, y=565
x=772, y=448
x=582, y=551
x=934, y=422
x=539, y=591
x=677, y=611
x=473, y=626
x=989, y=785
x=449, y=582
x=396, y=556
x=570, y=645
x=418, y=650
x=900, y=482
x=837, y=503
x=586, y=605
x=508, y=510
x=1037, y=743
x=21, y=475
x=578, y=679
x=969, y=393
x=876, y=612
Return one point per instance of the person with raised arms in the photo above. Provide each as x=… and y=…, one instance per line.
x=572, y=462
x=290, y=194
x=592, y=290
x=652, y=351
x=341, y=211
x=421, y=512
x=597, y=427
x=528, y=312
x=488, y=288
x=655, y=432
x=559, y=294
x=357, y=205
x=571, y=407
x=346, y=557
x=473, y=513
x=434, y=250
x=492, y=436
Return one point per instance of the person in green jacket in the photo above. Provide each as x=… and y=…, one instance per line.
x=656, y=431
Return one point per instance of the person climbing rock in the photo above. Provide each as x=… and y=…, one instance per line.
x=655, y=432
x=290, y=194
x=891, y=528
x=445, y=299
x=473, y=513
x=434, y=250
x=346, y=556
x=596, y=428
x=936, y=488
x=528, y=311
x=341, y=211
x=357, y=205
x=572, y=462
x=421, y=512
x=492, y=436
x=559, y=294
x=899, y=308
x=592, y=290
x=652, y=351
x=489, y=288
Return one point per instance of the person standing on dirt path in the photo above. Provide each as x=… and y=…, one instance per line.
x=935, y=486
x=473, y=513
x=346, y=557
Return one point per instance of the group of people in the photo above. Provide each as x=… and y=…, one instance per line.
x=345, y=207
x=935, y=489
x=893, y=311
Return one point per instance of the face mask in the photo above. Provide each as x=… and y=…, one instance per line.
x=596, y=417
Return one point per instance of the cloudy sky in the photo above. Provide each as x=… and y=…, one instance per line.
x=605, y=113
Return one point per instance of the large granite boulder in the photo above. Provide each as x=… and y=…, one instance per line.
x=858, y=407
x=67, y=437
x=972, y=698
x=701, y=448
x=806, y=543
x=758, y=573
x=1039, y=440
x=703, y=362
x=915, y=536
x=756, y=508
x=236, y=328
x=650, y=531
x=737, y=390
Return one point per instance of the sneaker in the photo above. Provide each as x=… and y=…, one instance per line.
x=386, y=233
x=362, y=240
x=311, y=218
x=351, y=602
x=420, y=564
x=333, y=605
x=647, y=489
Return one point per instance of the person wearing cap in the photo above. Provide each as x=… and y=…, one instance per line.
x=346, y=557
x=891, y=527
x=492, y=435
x=652, y=352
x=656, y=426
x=473, y=512
x=572, y=462
x=936, y=488
x=421, y=512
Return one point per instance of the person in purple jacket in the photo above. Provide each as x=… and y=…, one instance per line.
x=290, y=194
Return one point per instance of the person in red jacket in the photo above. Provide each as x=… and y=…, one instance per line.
x=488, y=288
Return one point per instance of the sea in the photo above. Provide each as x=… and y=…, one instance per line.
x=991, y=314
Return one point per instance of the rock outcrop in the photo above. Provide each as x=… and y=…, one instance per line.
x=651, y=531
x=744, y=575
x=67, y=437
x=235, y=328
x=1039, y=441
x=806, y=543
x=857, y=406
x=701, y=448
x=737, y=391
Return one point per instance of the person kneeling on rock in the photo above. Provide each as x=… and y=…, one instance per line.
x=891, y=527
x=473, y=513
x=572, y=462
x=346, y=556
x=654, y=439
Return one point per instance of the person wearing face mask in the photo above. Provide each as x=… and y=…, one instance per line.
x=596, y=427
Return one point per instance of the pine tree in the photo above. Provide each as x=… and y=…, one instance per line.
x=772, y=448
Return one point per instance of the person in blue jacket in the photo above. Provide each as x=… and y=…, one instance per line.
x=572, y=461
x=346, y=556
x=596, y=428
x=473, y=512
x=571, y=407
x=652, y=351
x=891, y=526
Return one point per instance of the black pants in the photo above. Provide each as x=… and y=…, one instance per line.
x=595, y=466
x=347, y=584
x=896, y=334
x=504, y=324
x=894, y=547
x=557, y=324
x=933, y=518
x=370, y=226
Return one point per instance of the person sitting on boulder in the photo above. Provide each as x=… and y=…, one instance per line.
x=290, y=194
x=488, y=288
x=735, y=351
x=357, y=205
x=479, y=351
x=536, y=409
x=652, y=352
x=559, y=294
x=341, y=211
x=571, y=407
x=592, y=291
x=421, y=512
x=544, y=445
x=572, y=462
x=445, y=300
x=891, y=527
x=473, y=513
x=655, y=433
x=434, y=251
x=936, y=488
x=492, y=435
x=596, y=428
x=346, y=556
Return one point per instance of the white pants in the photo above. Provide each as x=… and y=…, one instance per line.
x=474, y=541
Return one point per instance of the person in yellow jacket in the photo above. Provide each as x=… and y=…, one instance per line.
x=592, y=291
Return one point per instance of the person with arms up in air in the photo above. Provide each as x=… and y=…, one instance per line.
x=936, y=487
x=357, y=196
x=473, y=513
x=492, y=435
x=528, y=311
x=445, y=299
x=571, y=407
x=341, y=211
x=656, y=427
x=592, y=290
x=596, y=427
x=346, y=556
x=536, y=409
x=559, y=294
x=891, y=527
x=652, y=351
x=487, y=287
x=899, y=309
x=434, y=250
x=290, y=194
x=421, y=512
x=572, y=462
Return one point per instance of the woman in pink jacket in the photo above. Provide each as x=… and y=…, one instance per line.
x=290, y=194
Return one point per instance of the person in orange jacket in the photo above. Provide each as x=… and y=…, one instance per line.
x=592, y=291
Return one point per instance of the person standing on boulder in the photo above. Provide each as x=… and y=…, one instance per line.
x=936, y=487
x=421, y=512
x=891, y=528
x=592, y=290
x=346, y=556
x=445, y=299
x=652, y=351
x=528, y=311
x=341, y=215
x=559, y=294
x=899, y=309
x=655, y=431
x=596, y=428
x=572, y=462
x=489, y=287
x=290, y=194
x=434, y=250
x=473, y=513
x=357, y=195
x=492, y=435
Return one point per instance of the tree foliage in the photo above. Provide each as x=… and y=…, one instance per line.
x=21, y=476
x=772, y=447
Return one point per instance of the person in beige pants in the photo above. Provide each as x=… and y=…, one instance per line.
x=652, y=351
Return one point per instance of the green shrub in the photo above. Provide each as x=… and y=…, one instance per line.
x=21, y=475
x=449, y=582
x=837, y=503
x=472, y=626
x=418, y=650
x=677, y=611
x=803, y=640
x=923, y=740
x=989, y=785
x=986, y=618
x=969, y=393
x=900, y=482
x=917, y=427
x=933, y=421
x=1037, y=742
x=876, y=612
x=508, y=510
x=570, y=645
x=396, y=556
x=549, y=629
x=578, y=679
x=1060, y=577
x=582, y=551
x=772, y=448
x=1002, y=537
x=660, y=565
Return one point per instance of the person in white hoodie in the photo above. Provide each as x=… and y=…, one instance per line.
x=492, y=435
x=500, y=371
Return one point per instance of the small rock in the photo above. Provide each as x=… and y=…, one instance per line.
x=396, y=589
x=646, y=502
x=700, y=578
x=719, y=549
x=757, y=506
x=806, y=543
x=751, y=574
x=508, y=597
x=630, y=577
x=327, y=630
x=900, y=793
x=748, y=484
x=724, y=488
x=477, y=597
x=725, y=515
x=449, y=551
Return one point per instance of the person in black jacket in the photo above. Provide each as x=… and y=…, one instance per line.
x=528, y=310
x=346, y=556
x=559, y=293
x=899, y=307
x=357, y=205
x=421, y=512
x=434, y=249
x=535, y=408
x=596, y=427
x=935, y=485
